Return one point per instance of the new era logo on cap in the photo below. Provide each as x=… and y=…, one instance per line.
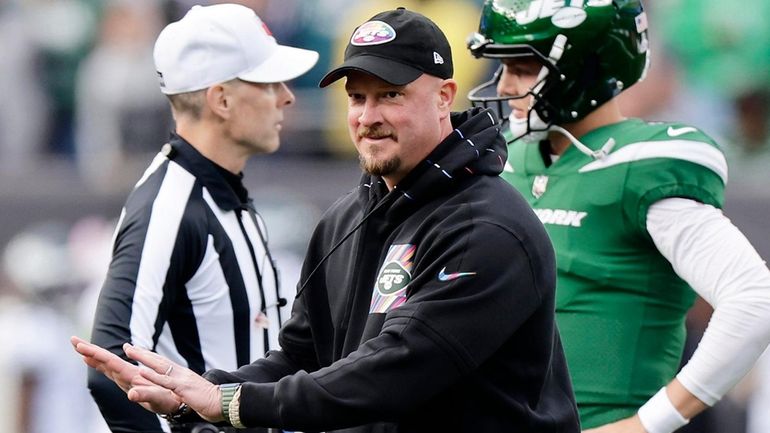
x=397, y=46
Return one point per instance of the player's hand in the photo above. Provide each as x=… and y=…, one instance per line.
x=201, y=395
x=628, y=425
x=126, y=376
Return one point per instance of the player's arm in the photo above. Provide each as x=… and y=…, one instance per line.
x=719, y=263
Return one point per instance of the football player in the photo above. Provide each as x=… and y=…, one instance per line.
x=633, y=209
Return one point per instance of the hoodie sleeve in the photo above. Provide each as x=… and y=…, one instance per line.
x=491, y=283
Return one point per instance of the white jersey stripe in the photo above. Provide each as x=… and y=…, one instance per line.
x=167, y=211
x=167, y=348
x=210, y=297
x=117, y=229
x=229, y=222
x=156, y=162
x=696, y=152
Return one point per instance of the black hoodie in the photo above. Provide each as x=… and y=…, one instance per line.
x=435, y=315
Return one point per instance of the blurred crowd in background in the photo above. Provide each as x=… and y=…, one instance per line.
x=81, y=115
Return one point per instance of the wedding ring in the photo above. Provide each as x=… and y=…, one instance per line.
x=170, y=369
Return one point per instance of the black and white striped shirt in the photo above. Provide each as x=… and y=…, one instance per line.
x=191, y=276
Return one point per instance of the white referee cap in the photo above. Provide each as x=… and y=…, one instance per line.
x=214, y=44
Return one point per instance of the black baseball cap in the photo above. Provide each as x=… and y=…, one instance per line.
x=396, y=46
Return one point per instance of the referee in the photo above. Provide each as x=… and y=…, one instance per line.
x=191, y=275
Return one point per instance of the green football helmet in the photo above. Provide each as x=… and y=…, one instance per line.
x=591, y=50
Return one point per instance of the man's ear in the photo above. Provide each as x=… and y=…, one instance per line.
x=447, y=94
x=218, y=100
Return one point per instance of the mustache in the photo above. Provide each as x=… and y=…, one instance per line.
x=375, y=132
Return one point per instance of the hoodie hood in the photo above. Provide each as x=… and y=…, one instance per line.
x=474, y=148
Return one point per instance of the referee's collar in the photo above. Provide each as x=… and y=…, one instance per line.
x=206, y=171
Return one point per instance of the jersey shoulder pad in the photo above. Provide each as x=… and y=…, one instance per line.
x=662, y=160
x=672, y=144
x=672, y=131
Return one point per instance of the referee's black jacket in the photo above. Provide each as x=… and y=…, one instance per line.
x=190, y=277
x=436, y=315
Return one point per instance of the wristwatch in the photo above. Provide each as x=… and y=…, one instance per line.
x=228, y=391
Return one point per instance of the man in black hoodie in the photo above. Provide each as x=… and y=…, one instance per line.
x=425, y=306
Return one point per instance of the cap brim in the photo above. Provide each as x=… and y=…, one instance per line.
x=390, y=71
x=286, y=63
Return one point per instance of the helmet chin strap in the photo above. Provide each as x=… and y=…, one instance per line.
x=533, y=130
x=595, y=154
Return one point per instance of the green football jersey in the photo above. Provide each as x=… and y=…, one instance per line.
x=620, y=306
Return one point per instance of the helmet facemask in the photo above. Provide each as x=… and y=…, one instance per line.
x=532, y=127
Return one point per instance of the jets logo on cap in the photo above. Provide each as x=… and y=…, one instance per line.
x=373, y=33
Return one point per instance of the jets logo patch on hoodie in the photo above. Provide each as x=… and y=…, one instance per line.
x=394, y=276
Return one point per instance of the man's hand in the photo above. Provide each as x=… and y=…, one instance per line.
x=106, y=362
x=628, y=425
x=201, y=395
x=126, y=376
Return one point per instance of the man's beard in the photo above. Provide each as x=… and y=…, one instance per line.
x=379, y=168
x=371, y=165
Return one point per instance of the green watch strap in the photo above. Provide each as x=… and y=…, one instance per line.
x=228, y=391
